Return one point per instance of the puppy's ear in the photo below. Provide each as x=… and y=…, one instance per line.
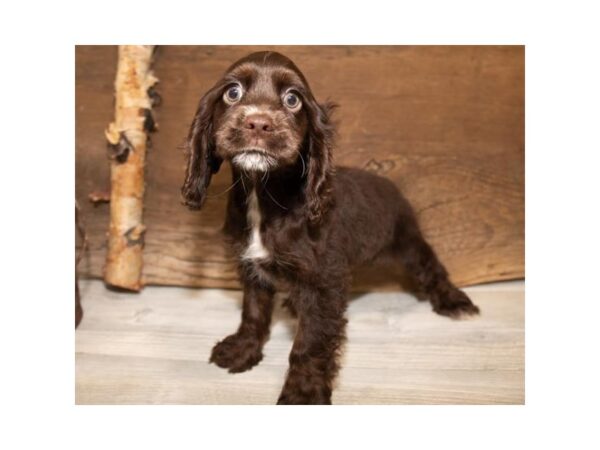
x=321, y=133
x=200, y=150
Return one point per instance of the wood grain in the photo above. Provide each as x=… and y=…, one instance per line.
x=445, y=123
x=153, y=348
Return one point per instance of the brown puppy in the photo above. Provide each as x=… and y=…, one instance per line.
x=297, y=222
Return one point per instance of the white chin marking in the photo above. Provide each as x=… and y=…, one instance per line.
x=255, y=249
x=253, y=161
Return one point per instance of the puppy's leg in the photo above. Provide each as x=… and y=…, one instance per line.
x=423, y=265
x=243, y=350
x=313, y=359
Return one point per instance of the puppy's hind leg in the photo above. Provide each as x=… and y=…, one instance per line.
x=423, y=265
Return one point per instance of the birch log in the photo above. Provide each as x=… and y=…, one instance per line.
x=127, y=137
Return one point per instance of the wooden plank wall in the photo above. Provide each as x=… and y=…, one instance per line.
x=445, y=123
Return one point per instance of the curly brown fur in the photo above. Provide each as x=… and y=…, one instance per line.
x=297, y=223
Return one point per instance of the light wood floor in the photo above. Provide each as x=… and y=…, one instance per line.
x=153, y=348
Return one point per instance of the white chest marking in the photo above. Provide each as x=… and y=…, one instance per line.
x=255, y=249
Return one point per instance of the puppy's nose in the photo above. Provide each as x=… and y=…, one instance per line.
x=259, y=123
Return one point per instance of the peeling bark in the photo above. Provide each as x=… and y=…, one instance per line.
x=128, y=139
x=79, y=254
x=97, y=197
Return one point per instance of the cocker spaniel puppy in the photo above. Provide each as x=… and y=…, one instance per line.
x=297, y=222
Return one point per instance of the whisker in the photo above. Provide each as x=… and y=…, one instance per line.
x=303, y=163
x=226, y=190
x=276, y=202
x=243, y=185
x=283, y=262
x=265, y=175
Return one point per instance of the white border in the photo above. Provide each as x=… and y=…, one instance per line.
x=562, y=223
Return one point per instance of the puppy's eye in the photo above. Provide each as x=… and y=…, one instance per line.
x=233, y=94
x=292, y=101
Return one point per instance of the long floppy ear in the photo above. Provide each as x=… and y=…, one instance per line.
x=321, y=133
x=200, y=149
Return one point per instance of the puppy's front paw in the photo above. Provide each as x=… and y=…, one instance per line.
x=237, y=353
x=289, y=397
x=303, y=389
x=456, y=305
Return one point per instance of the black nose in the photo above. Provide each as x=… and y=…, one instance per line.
x=259, y=123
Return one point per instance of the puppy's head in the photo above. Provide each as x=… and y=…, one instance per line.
x=261, y=116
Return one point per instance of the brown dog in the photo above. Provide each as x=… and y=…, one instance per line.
x=297, y=222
